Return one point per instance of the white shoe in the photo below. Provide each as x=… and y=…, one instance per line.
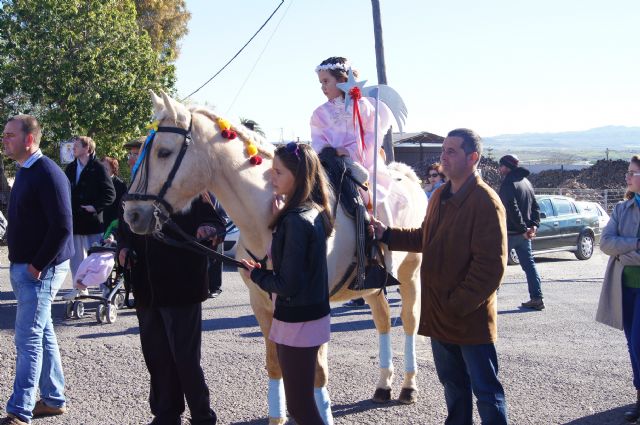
x=75, y=293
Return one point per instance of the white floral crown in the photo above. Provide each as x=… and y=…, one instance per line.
x=342, y=66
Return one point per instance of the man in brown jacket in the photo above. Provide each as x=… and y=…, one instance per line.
x=463, y=241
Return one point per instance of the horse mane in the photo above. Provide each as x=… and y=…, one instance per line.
x=404, y=170
x=244, y=134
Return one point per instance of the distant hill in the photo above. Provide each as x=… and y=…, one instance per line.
x=612, y=137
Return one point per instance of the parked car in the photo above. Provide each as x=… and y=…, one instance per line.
x=564, y=226
x=231, y=239
x=596, y=209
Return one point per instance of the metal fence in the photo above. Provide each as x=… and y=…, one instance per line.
x=608, y=198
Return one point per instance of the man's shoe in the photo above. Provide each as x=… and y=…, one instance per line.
x=43, y=409
x=534, y=303
x=12, y=420
x=215, y=294
x=70, y=296
x=358, y=302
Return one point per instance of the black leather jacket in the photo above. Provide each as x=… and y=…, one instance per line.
x=299, y=276
x=519, y=200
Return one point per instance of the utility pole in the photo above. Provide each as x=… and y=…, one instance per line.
x=387, y=145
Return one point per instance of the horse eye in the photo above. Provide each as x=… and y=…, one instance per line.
x=164, y=153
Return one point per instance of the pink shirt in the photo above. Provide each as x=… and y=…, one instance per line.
x=332, y=126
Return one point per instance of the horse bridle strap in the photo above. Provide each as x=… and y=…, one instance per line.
x=159, y=198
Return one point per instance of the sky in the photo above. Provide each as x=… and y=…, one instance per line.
x=496, y=66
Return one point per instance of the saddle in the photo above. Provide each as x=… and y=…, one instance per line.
x=345, y=177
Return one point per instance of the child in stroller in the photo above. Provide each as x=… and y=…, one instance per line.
x=98, y=270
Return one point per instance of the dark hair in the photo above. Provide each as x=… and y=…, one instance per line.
x=471, y=141
x=635, y=159
x=113, y=163
x=339, y=74
x=436, y=167
x=309, y=179
x=29, y=125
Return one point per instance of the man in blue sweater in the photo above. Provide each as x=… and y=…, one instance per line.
x=40, y=242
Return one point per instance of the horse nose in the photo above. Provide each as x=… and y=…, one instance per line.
x=134, y=217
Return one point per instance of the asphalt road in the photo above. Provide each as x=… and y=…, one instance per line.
x=558, y=366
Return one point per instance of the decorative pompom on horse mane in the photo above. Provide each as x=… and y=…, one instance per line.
x=254, y=143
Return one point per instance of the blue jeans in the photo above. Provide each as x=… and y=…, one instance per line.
x=463, y=368
x=38, y=358
x=631, y=325
x=522, y=247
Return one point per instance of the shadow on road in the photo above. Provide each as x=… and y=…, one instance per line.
x=350, y=311
x=131, y=331
x=253, y=422
x=248, y=321
x=7, y=295
x=360, y=325
x=517, y=310
x=7, y=316
x=609, y=417
x=339, y=410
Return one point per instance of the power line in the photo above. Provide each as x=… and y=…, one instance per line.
x=236, y=55
x=259, y=57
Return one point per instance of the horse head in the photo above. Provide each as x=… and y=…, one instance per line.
x=186, y=152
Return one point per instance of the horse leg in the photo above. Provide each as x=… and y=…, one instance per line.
x=408, y=273
x=320, y=385
x=275, y=398
x=381, y=314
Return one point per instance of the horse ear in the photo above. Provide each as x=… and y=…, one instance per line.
x=158, y=104
x=168, y=103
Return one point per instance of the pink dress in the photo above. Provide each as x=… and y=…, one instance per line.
x=332, y=126
x=300, y=334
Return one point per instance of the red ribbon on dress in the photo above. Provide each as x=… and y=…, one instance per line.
x=356, y=95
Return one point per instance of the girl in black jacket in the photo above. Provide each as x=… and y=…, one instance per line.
x=301, y=320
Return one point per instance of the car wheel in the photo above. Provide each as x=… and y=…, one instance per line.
x=585, y=246
x=512, y=258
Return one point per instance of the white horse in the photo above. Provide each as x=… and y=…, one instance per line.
x=221, y=165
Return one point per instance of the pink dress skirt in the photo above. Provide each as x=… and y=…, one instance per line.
x=301, y=334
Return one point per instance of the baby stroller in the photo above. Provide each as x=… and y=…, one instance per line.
x=99, y=270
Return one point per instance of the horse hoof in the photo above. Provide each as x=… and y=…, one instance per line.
x=408, y=396
x=382, y=395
